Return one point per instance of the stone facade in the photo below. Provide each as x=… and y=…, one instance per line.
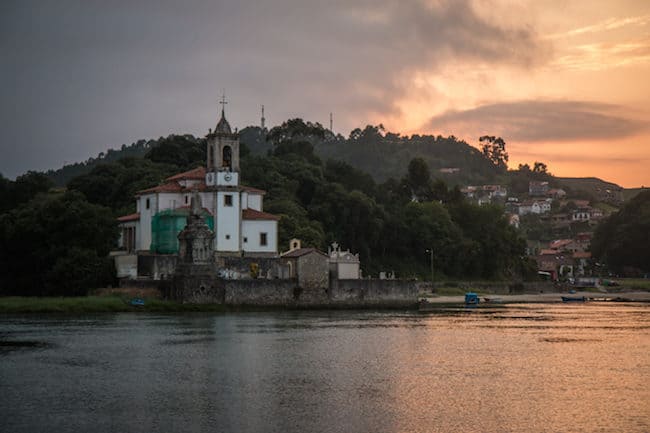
x=308, y=265
x=288, y=294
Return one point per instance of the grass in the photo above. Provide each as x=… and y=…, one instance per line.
x=634, y=283
x=95, y=304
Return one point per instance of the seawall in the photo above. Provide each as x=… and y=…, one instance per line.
x=287, y=293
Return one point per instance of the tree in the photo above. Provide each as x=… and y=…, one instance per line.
x=56, y=245
x=23, y=189
x=418, y=179
x=622, y=241
x=494, y=149
x=294, y=129
x=540, y=168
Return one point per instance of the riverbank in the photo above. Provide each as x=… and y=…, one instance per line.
x=531, y=298
x=97, y=304
x=115, y=302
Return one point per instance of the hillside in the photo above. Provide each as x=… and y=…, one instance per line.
x=381, y=154
x=386, y=155
x=599, y=189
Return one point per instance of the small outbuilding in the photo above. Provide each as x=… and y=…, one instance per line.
x=308, y=265
x=343, y=264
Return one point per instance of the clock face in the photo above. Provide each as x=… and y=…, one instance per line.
x=228, y=176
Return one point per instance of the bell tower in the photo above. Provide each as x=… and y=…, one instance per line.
x=222, y=168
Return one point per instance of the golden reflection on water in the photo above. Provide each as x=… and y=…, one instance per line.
x=529, y=369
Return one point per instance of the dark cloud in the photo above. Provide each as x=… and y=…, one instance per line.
x=81, y=76
x=532, y=121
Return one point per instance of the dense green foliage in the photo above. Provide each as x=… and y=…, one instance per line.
x=622, y=241
x=14, y=193
x=55, y=244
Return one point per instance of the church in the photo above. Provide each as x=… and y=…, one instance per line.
x=234, y=212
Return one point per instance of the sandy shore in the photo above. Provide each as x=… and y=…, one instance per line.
x=545, y=297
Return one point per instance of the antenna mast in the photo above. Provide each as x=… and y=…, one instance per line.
x=263, y=119
x=331, y=121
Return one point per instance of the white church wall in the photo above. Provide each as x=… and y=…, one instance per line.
x=148, y=207
x=244, y=200
x=170, y=201
x=255, y=201
x=207, y=201
x=227, y=222
x=251, y=236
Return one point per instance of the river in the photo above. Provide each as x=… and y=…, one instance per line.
x=518, y=368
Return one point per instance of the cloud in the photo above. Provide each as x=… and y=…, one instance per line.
x=603, y=26
x=532, y=121
x=600, y=56
x=83, y=76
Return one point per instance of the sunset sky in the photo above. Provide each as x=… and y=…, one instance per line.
x=564, y=82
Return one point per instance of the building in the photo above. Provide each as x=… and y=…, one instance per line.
x=534, y=206
x=308, y=265
x=343, y=264
x=233, y=211
x=537, y=188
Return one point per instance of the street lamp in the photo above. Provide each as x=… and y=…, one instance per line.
x=430, y=251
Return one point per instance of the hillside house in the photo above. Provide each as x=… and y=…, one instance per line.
x=537, y=188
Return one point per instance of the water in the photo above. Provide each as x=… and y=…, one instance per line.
x=526, y=368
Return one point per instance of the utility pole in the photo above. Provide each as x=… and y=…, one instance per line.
x=263, y=119
x=430, y=251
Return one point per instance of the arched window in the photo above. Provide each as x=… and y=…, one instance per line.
x=227, y=157
x=210, y=164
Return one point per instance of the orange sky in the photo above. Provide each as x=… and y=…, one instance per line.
x=563, y=82
x=586, y=92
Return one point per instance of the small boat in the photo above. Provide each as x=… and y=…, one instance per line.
x=137, y=302
x=574, y=299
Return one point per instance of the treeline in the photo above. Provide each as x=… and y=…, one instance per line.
x=622, y=241
x=55, y=241
x=385, y=155
x=52, y=242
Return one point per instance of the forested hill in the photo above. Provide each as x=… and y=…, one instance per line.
x=382, y=154
x=386, y=155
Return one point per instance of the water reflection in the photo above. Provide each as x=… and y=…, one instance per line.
x=534, y=368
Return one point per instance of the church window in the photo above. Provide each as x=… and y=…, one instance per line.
x=186, y=199
x=245, y=239
x=227, y=200
x=263, y=239
x=227, y=157
x=227, y=237
x=147, y=204
x=209, y=156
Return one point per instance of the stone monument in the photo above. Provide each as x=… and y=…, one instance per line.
x=195, y=279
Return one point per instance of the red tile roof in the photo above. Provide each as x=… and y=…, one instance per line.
x=582, y=255
x=301, y=252
x=130, y=217
x=173, y=187
x=252, y=214
x=196, y=174
x=165, y=187
x=250, y=189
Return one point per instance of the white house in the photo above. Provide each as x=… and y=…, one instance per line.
x=535, y=206
x=233, y=211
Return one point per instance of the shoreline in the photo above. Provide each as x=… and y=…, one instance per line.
x=537, y=298
x=119, y=304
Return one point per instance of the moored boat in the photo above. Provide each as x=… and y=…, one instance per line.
x=574, y=299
